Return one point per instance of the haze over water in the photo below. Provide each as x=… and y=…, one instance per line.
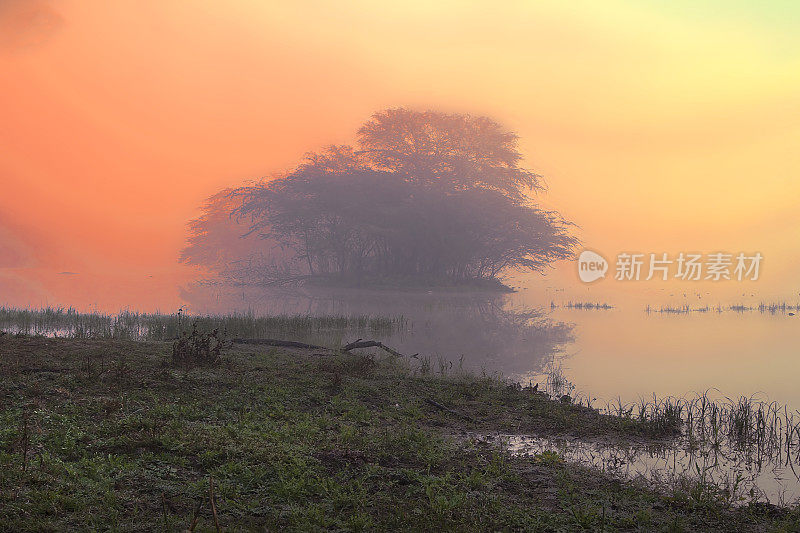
x=657, y=128
x=624, y=352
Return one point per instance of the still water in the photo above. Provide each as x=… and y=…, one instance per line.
x=623, y=353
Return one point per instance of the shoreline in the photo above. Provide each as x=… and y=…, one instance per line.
x=108, y=432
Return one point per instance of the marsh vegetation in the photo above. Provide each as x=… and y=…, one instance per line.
x=104, y=433
x=761, y=307
x=131, y=325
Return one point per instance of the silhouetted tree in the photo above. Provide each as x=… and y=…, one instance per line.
x=424, y=195
x=450, y=150
x=225, y=245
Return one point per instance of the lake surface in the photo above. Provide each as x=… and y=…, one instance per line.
x=621, y=353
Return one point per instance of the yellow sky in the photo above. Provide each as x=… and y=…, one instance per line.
x=657, y=131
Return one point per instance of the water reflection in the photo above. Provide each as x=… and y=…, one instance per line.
x=610, y=349
x=478, y=330
x=739, y=478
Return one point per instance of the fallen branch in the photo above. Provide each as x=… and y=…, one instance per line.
x=280, y=343
x=370, y=344
x=447, y=409
x=294, y=344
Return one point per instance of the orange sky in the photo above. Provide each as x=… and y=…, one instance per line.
x=657, y=131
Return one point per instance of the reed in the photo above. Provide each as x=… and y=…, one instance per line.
x=586, y=305
x=772, y=308
x=757, y=430
x=69, y=323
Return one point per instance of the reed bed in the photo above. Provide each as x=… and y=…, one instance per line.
x=584, y=305
x=69, y=323
x=756, y=430
x=682, y=309
x=763, y=308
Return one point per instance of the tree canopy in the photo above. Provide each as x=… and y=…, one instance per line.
x=424, y=197
x=455, y=151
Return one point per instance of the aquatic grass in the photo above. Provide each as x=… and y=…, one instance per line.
x=584, y=305
x=757, y=430
x=777, y=307
x=772, y=308
x=682, y=309
x=766, y=307
x=556, y=384
x=130, y=325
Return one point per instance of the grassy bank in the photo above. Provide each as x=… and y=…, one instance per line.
x=105, y=434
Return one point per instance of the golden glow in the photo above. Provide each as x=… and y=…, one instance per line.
x=657, y=131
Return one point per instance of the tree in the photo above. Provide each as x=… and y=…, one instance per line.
x=224, y=245
x=424, y=196
x=451, y=150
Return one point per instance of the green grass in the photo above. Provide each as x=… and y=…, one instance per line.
x=104, y=435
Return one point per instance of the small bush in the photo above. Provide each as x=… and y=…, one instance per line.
x=197, y=349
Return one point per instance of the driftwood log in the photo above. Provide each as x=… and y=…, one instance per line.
x=280, y=343
x=371, y=344
x=302, y=345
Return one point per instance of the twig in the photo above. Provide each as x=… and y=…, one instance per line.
x=213, y=505
x=195, y=516
x=447, y=409
x=164, y=509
